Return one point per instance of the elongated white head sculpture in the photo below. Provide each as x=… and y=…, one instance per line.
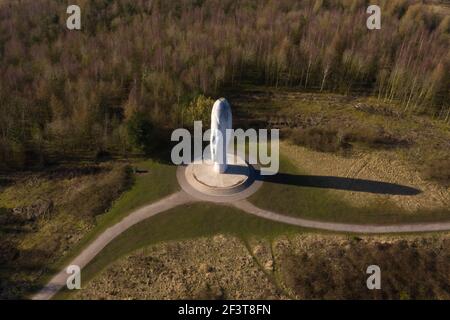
x=221, y=120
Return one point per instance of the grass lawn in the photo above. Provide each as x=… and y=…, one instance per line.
x=186, y=222
x=159, y=181
x=320, y=204
x=307, y=202
x=206, y=219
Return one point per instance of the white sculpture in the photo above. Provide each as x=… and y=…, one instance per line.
x=221, y=120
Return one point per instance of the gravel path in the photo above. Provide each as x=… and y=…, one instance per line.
x=246, y=206
x=180, y=198
x=59, y=280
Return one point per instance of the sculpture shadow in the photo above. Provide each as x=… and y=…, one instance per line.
x=331, y=182
x=341, y=183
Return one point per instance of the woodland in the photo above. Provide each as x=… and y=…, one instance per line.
x=140, y=67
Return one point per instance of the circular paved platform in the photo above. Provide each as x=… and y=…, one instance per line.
x=238, y=182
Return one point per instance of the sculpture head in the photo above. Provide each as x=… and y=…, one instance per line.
x=221, y=120
x=221, y=115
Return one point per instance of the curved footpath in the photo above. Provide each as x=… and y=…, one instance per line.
x=59, y=280
x=246, y=206
x=179, y=198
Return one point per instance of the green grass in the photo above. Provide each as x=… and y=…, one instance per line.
x=160, y=181
x=321, y=204
x=186, y=222
x=205, y=219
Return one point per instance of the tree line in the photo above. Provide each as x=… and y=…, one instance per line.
x=138, y=66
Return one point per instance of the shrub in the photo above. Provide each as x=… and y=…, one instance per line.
x=140, y=132
x=333, y=140
x=375, y=138
x=12, y=155
x=199, y=109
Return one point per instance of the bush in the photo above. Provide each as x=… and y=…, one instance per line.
x=333, y=140
x=373, y=138
x=198, y=109
x=12, y=155
x=140, y=132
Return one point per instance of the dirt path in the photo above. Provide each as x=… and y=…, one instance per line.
x=180, y=198
x=246, y=206
x=59, y=280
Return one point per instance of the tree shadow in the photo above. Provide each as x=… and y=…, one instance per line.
x=21, y=270
x=340, y=183
x=5, y=182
